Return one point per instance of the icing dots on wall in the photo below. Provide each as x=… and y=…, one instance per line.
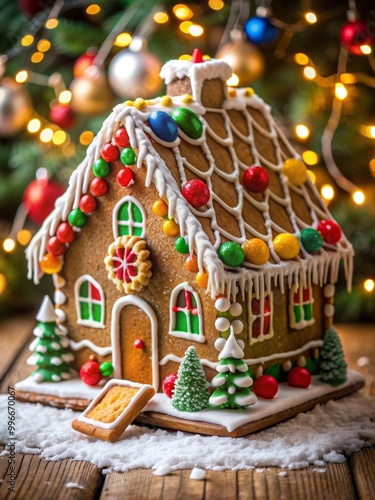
x=228, y=316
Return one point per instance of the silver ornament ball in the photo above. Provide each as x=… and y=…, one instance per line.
x=15, y=107
x=135, y=73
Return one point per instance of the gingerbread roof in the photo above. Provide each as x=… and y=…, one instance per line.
x=239, y=133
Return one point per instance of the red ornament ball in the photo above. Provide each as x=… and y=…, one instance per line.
x=98, y=187
x=139, y=344
x=87, y=203
x=65, y=233
x=355, y=34
x=299, y=377
x=90, y=372
x=55, y=247
x=39, y=198
x=255, y=179
x=196, y=193
x=330, y=231
x=121, y=138
x=83, y=62
x=266, y=387
x=125, y=177
x=110, y=152
x=169, y=383
x=63, y=116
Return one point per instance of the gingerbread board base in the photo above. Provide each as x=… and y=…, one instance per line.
x=228, y=423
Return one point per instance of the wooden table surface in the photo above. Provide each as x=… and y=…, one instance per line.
x=39, y=479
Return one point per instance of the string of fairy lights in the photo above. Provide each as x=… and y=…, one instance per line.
x=341, y=83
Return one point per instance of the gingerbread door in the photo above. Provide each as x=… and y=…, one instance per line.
x=134, y=341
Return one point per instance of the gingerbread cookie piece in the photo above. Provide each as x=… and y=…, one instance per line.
x=113, y=409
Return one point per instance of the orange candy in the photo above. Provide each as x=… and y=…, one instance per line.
x=191, y=264
x=202, y=279
x=160, y=208
x=50, y=264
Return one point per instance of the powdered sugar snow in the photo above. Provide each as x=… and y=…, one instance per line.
x=324, y=434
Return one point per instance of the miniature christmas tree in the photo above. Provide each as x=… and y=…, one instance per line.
x=233, y=380
x=333, y=366
x=50, y=353
x=191, y=389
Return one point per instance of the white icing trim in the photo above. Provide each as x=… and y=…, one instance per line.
x=130, y=223
x=100, y=351
x=251, y=361
x=112, y=383
x=292, y=317
x=115, y=335
x=89, y=322
x=172, y=323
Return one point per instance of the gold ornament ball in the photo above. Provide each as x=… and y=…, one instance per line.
x=246, y=60
x=295, y=170
x=256, y=251
x=286, y=246
x=135, y=73
x=15, y=107
x=91, y=94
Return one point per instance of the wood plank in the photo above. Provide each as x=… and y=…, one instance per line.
x=15, y=333
x=37, y=478
x=221, y=484
x=363, y=472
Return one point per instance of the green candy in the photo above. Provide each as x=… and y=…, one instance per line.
x=188, y=122
x=311, y=239
x=77, y=218
x=231, y=253
x=128, y=156
x=106, y=369
x=101, y=168
x=181, y=246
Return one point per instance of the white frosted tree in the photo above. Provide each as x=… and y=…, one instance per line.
x=233, y=381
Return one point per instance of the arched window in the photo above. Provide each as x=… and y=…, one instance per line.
x=129, y=218
x=89, y=297
x=186, y=319
x=260, y=318
x=301, y=307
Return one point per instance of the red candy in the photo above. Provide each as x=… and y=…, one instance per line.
x=125, y=177
x=330, y=231
x=55, y=247
x=65, y=233
x=87, y=203
x=196, y=193
x=299, y=377
x=110, y=152
x=266, y=387
x=121, y=138
x=255, y=179
x=98, y=186
x=90, y=372
x=139, y=344
x=169, y=383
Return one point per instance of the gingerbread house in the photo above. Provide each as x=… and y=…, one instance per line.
x=192, y=216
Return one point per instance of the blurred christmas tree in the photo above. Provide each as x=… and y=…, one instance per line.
x=312, y=62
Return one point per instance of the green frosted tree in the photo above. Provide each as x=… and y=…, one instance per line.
x=333, y=367
x=191, y=390
x=233, y=381
x=50, y=353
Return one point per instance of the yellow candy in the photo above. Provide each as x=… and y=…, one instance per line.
x=160, y=208
x=166, y=101
x=186, y=99
x=232, y=92
x=202, y=279
x=129, y=103
x=140, y=103
x=295, y=170
x=248, y=92
x=170, y=228
x=256, y=251
x=286, y=246
x=50, y=264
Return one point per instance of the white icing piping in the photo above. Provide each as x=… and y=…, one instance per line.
x=100, y=351
x=250, y=361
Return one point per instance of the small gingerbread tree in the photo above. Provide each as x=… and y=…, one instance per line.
x=333, y=367
x=191, y=389
x=233, y=381
x=50, y=353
